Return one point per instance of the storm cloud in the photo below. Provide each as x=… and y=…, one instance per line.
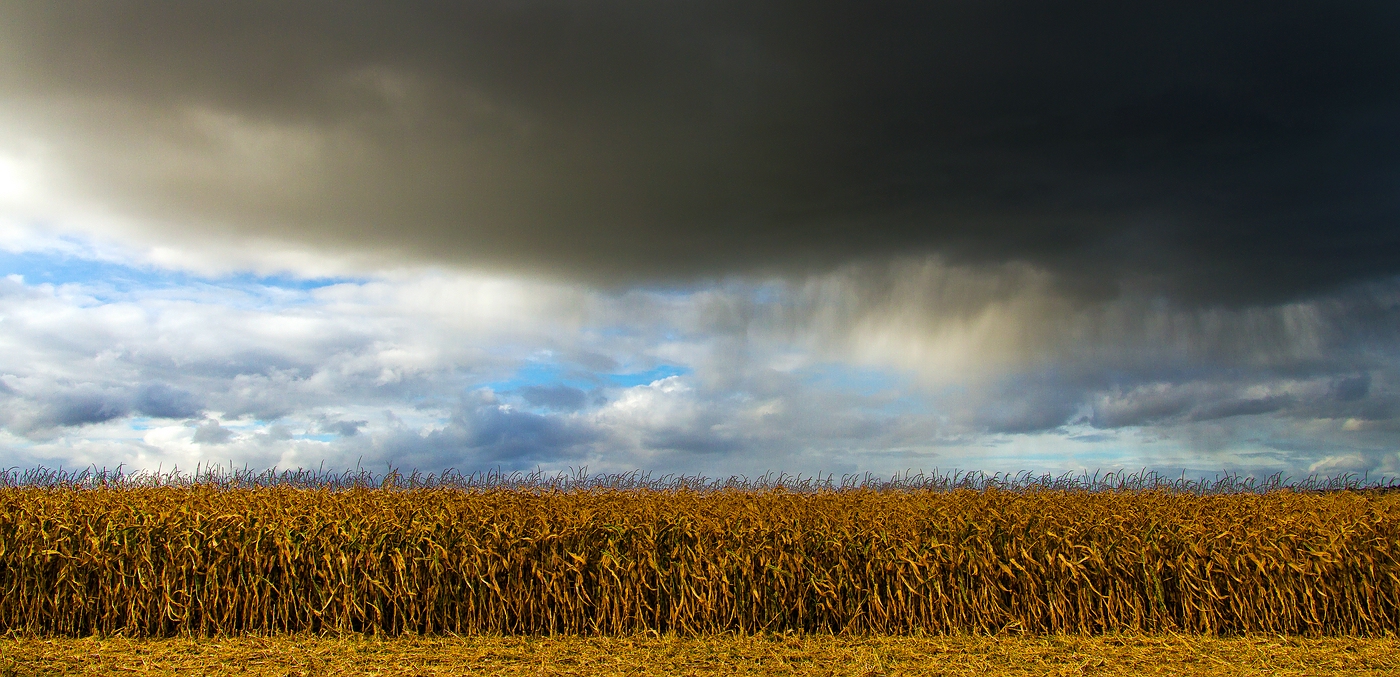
x=707, y=236
x=1214, y=153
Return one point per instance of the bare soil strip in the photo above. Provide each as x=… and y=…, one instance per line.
x=722, y=655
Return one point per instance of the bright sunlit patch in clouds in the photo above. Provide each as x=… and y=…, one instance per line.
x=16, y=182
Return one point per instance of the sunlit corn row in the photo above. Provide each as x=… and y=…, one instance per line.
x=161, y=561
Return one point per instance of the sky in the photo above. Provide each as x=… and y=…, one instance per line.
x=702, y=237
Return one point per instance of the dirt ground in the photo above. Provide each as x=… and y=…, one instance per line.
x=727, y=655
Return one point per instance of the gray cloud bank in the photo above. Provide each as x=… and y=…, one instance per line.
x=1214, y=153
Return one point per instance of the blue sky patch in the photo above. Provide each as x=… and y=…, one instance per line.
x=641, y=378
x=535, y=373
x=108, y=280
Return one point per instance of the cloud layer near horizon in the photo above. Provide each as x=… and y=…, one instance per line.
x=1232, y=153
x=915, y=364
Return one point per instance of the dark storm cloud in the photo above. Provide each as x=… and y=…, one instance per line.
x=1217, y=152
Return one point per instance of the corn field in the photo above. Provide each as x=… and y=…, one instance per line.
x=196, y=559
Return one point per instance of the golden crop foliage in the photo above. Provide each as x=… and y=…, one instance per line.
x=161, y=561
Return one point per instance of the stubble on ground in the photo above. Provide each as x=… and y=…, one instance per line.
x=730, y=655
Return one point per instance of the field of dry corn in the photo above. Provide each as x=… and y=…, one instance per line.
x=195, y=560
